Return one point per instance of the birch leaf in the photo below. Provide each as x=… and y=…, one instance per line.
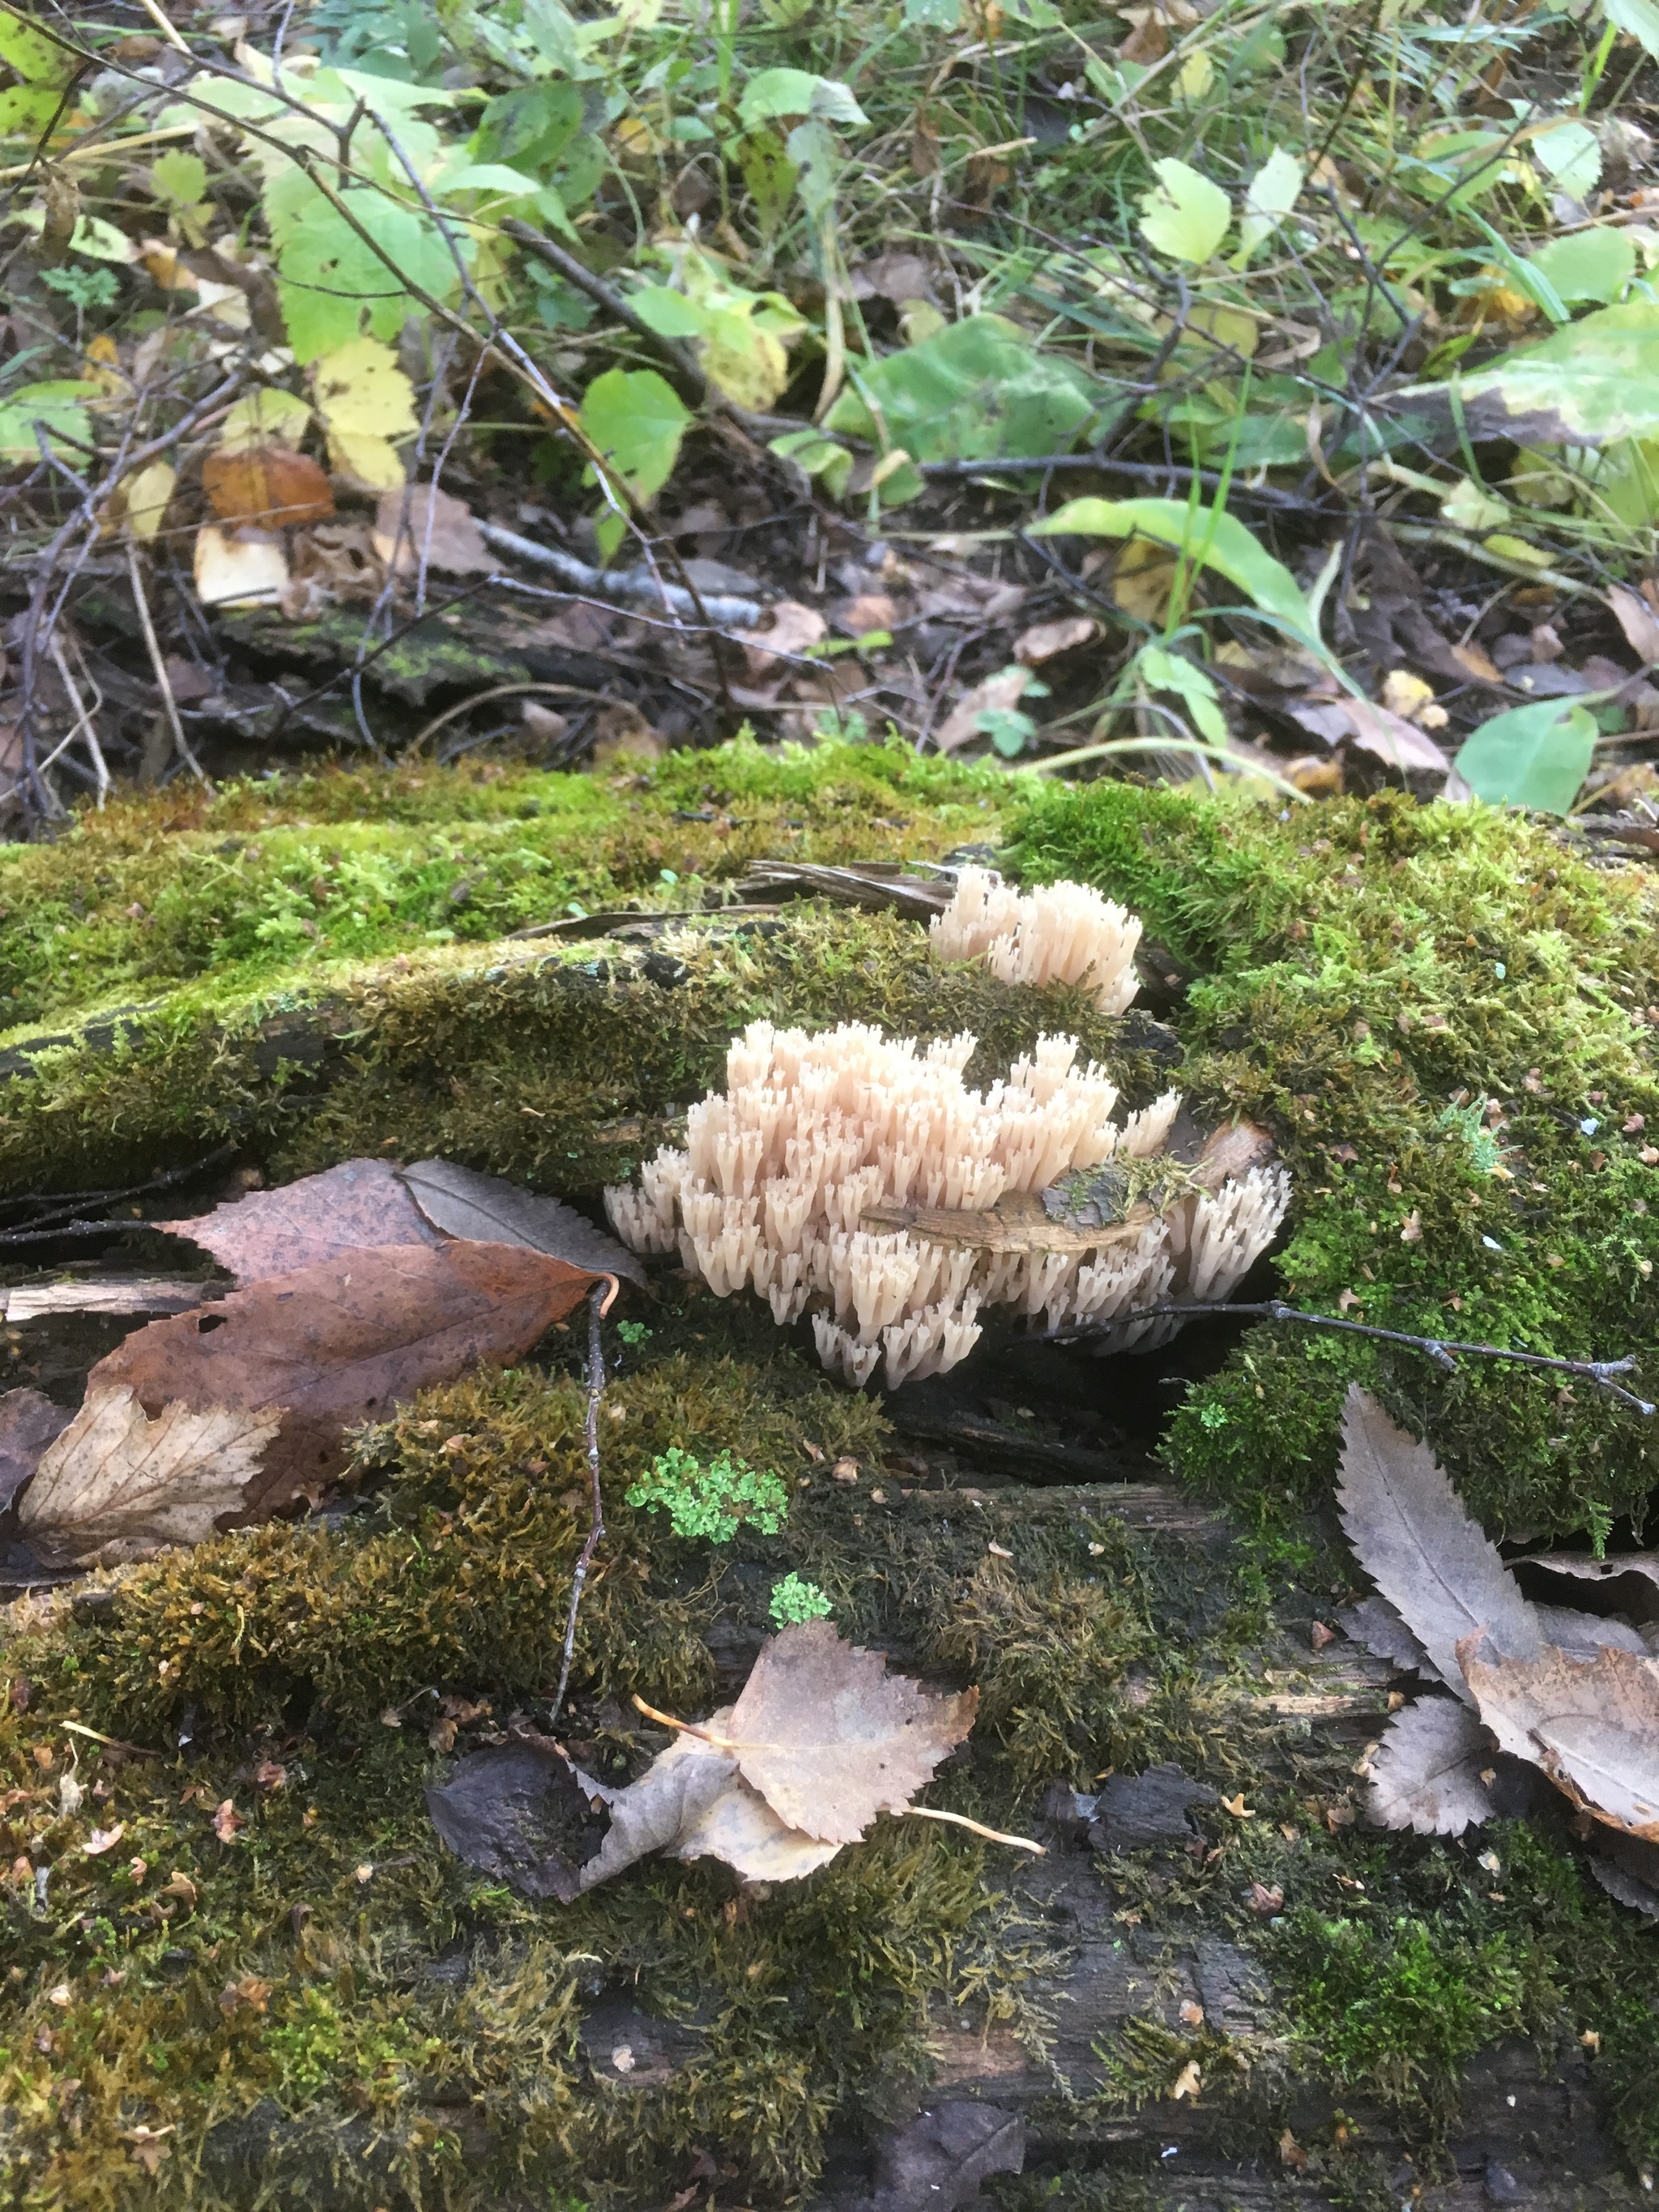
x=1427, y=1776
x=116, y=1484
x=1186, y=216
x=1411, y=1533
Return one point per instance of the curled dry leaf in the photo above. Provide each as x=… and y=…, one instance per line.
x=1427, y=1776
x=793, y=629
x=338, y=1344
x=345, y=1209
x=269, y=485
x=1045, y=640
x=487, y=1209
x=116, y=1484
x=1591, y=1725
x=998, y=694
x=830, y=1739
x=1411, y=1533
x=1638, y=621
x=421, y=522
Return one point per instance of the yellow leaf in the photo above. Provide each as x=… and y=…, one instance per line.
x=1143, y=578
x=1197, y=75
x=147, y=497
x=264, y=417
x=361, y=391
x=749, y=365
x=363, y=462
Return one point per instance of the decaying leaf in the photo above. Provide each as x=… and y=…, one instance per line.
x=486, y=1210
x=938, y=2161
x=669, y=1798
x=739, y=1827
x=28, y=1423
x=1411, y=1533
x=345, y=1209
x=1591, y=1725
x=338, y=1344
x=1628, y=1869
x=830, y=1739
x=116, y=1484
x=1427, y=1774
x=419, y=522
x=1374, y=1623
x=521, y=1812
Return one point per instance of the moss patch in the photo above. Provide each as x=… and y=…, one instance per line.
x=1449, y=1020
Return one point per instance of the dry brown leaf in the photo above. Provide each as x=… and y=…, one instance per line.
x=1390, y=737
x=486, y=1210
x=422, y=521
x=28, y=1423
x=347, y=1208
x=793, y=629
x=1591, y=1725
x=896, y=276
x=340, y=1343
x=739, y=1827
x=830, y=1739
x=672, y=1794
x=269, y=485
x=1584, y=1566
x=1628, y=1870
x=116, y=1484
x=1427, y=1776
x=1043, y=641
x=1143, y=579
x=1411, y=1533
x=1638, y=622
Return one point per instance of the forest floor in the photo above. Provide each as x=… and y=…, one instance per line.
x=482, y=487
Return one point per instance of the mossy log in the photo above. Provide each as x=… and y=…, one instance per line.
x=274, y=1984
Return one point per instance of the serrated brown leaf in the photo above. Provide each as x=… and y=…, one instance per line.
x=349, y=1208
x=1426, y=1774
x=116, y=1484
x=485, y=1209
x=739, y=1827
x=830, y=1739
x=338, y=1344
x=268, y=485
x=1435, y=1565
x=1591, y=1725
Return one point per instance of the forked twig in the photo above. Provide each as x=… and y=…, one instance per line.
x=598, y=1298
x=1439, y=1349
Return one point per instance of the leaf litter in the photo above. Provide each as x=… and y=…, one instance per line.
x=821, y=1740
x=350, y=1298
x=1571, y=1693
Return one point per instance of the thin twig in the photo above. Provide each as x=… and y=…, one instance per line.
x=41, y=1226
x=597, y=1300
x=1438, y=1349
x=181, y=742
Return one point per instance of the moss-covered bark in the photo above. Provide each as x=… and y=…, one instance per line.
x=312, y=2001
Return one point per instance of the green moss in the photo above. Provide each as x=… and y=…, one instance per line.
x=1367, y=981
x=298, y=877
x=558, y=1067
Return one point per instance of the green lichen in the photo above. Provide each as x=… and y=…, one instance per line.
x=1365, y=980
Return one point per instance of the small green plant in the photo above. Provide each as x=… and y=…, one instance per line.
x=713, y=1502
x=633, y=1331
x=795, y=1601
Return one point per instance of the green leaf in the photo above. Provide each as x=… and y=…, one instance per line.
x=634, y=418
x=1595, y=379
x=56, y=406
x=932, y=15
x=777, y=92
x=976, y=391
x=671, y=314
x=1220, y=541
x=179, y=178
x=331, y=281
x=1169, y=672
x=1535, y=757
x=1271, y=196
x=1588, y=264
x=1571, y=154
x=819, y=455
x=37, y=60
x=1186, y=216
x=1639, y=17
